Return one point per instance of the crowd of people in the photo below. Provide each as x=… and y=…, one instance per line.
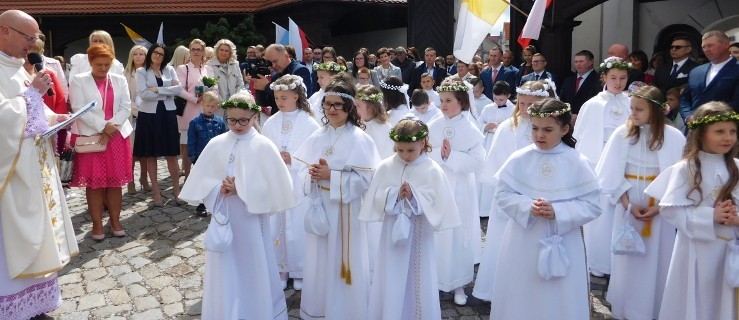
x=363, y=182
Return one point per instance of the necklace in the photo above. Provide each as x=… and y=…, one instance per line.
x=329, y=151
x=286, y=130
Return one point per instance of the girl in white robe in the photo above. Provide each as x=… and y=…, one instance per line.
x=422, y=106
x=597, y=120
x=512, y=134
x=412, y=198
x=337, y=160
x=634, y=155
x=395, y=99
x=492, y=115
x=324, y=71
x=288, y=129
x=698, y=195
x=460, y=154
x=243, y=282
x=369, y=107
x=546, y=189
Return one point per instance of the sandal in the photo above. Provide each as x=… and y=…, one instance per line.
x=144, y=184
x=131, y=188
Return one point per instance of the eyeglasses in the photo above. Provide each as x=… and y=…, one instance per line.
x=678, y=47
x=196, y=49
x=336, y=106
x=161, y=54
x=28, y=38
x=241, y=121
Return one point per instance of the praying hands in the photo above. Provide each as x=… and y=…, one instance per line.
x=542, y=208
x=228, y=187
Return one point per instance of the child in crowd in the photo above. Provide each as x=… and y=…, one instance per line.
x=337, y=164
x=481, y=101
x=288, y=129
x=394, y=98
x=460, y=155
x=240, y=185
x=369, y=106
x=698, y=195
x=489, y=119
x=597, y=120
x=548, y=191
x=634, y=155
x=422, y=106
x=512, y=134
x=324, y=71
x=364, y=76
x=673, y=114
x=202, y=129
x=427, y=84
x=411, y=197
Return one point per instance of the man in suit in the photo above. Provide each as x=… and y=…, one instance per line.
x=582, y=85
x=451, y=64
x=714, y=81
x=508, y=61
x=496, y=72
x=538, y=65
x=282, y=64
x=673, y=75
x=622, y=51
x=429, y=65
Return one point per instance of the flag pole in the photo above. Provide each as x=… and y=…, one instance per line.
x=516, y=8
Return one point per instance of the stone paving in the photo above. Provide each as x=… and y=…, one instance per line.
x=156, y=271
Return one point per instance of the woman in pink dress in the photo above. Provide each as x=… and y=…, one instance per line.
x=103, y=174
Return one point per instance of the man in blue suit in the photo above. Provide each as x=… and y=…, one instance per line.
x=282, y=64
x=538, y=65
x=714, y=81
x=496, y=72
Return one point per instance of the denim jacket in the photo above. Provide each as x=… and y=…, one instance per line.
x=201, y=130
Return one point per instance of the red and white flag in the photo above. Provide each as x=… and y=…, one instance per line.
x=297, y=39
x=532, y=28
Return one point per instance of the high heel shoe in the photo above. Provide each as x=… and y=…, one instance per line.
x=97, y=237
x=117, y=234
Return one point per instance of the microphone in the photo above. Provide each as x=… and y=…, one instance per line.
x=35, y=59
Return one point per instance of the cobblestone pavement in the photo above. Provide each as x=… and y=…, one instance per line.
x=156, y=271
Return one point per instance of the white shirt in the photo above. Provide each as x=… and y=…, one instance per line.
x=713, y=70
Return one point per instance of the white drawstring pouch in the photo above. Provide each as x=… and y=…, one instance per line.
x=627, y=241
x=402, y=226
x=553, y=259
x=731, y=265
x=316, y=221
x=219, y=235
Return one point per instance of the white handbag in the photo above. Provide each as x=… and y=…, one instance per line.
x=553, y=259
x=731, y=265
x=316, y=221
x=626, y=240
x=402, y=226
x=219, y=235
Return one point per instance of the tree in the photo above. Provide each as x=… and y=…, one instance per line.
x=243, y=35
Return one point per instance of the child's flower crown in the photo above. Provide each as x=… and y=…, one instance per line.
x=555, y=113
x=663, y=105
x=391, y=87
x=614, y=63
x=375, y=97
x=329, y=66
x=452, y=88
x=225, y=105
x=711, y=119
x=420, y=135
x=209, y=81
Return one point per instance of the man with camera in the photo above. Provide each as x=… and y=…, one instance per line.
x=282, y=64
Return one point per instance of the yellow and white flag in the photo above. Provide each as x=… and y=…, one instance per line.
x=476, y=19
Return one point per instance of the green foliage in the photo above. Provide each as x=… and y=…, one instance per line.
x=244, y=34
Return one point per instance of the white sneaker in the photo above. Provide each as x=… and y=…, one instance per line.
x=298, y=284
x=460, y=299
x=283, y=283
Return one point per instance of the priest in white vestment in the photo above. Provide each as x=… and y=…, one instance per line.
x=36, y=233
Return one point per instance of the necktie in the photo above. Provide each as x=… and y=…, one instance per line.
x=577, y=83
x=503, y=106
x=537, y=77
x=495, y=75
x=674, y=70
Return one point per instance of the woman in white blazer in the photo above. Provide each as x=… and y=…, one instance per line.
x=156, y=127
x=103, y=174
x=385, y=69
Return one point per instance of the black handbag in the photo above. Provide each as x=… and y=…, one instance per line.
x=180, y=102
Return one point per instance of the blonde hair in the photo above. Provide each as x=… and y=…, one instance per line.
x=103, y=35
x=180, y=56
x=290, y=80
x=530, y=86
x=130, y=68
x=210, y=96
x=245, y=96
x=377, y=109
x=226, y=42
x=209, y=52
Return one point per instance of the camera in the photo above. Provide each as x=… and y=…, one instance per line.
x=256, y=66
